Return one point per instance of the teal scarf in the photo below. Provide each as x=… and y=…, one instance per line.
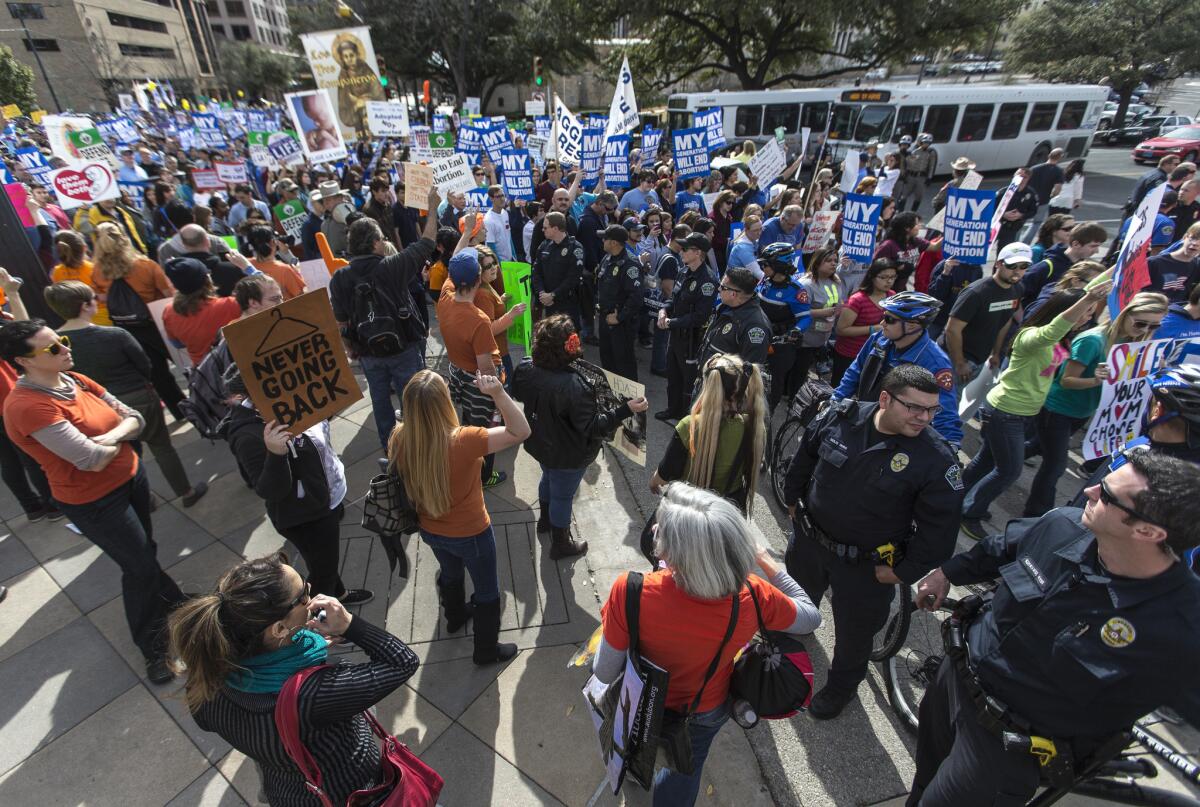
x=268, y=672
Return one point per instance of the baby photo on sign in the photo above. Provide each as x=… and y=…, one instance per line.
x=611, y=391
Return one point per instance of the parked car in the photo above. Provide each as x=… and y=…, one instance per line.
x=1183, y=142
x=1144, y=129
x=1133, y=113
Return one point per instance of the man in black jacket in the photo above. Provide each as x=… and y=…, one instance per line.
x=591, y=227
x=558, y=269
x=226, y=270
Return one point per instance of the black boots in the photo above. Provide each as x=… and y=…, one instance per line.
x=453, y=599
x=487, y=630
x=543, y=524
x=562, y=546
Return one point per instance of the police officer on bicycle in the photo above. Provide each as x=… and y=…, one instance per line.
x=785, y=302
x=1093, y=625
x=874, y=497
x=901, y=338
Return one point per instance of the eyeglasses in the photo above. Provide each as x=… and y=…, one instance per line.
x=304, y=597
x=917, y=409
x=54, y=348
x=887, y=278
x=1145, y=325
x=1109, y=498
x=734, y=289
x=888, y=319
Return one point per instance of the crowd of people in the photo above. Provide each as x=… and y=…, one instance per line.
x=738, y=310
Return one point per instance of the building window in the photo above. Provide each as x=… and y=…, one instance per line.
x=235, y=8
x=129, y=49
x=164, y=3
x=219, y=31
x=40, y=44
x=125, y=21
x=26, y=11
x=241, y=32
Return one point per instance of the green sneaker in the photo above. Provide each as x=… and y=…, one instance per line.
x=496, y=478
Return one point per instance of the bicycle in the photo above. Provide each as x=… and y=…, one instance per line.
x=802, y=408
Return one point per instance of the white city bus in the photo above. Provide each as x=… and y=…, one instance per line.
x=999, y=127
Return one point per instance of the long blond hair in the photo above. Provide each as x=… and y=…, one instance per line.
x=731, y=387
x=1144, y=302
x=422, y=442
x=113, y=255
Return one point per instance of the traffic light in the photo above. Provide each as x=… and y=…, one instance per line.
x=538, y=78
x=383, y=78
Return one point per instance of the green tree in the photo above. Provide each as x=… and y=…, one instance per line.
x=1120, y=43
x=16, y=82
x=256, y=70
x=778, y=42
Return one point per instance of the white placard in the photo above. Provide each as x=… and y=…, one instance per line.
x=768, y=163
x=387, y=118
x=453, y=174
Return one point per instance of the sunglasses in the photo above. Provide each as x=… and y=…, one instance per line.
x=305, y=596
x=917, y=409
x=1145, y=325
x=54, y=348
x=1110, y=499
x=888, y=319
x=725, y=287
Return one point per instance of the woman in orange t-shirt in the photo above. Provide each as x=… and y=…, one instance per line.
x=80, y=435
x=72, y=251
x=262, y=240
x=196, y=315
x=115, y=258
x=685, y=612
x=444, y=486
x=492, y=303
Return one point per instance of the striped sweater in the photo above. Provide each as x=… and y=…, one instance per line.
x=331, y=722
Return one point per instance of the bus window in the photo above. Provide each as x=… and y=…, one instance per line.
x=749, y=121
x=680, y=120
x=908, y=122
x=815, y=116
x=875, y=122
x=1008, y=122
x=843, y=120
x=940, y=122
x=784, y=115
x=1042, y=116
x=975, y=122
x=1072, y=115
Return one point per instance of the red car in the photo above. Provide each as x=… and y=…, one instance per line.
x=1183, y=142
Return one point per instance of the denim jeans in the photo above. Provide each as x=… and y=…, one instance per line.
x=673, y=789
x=1054, y=432
x=997, y=464
x=385, y=374
x=557, y=489
x=119, y=523
x=476, y=555
x=18, y=471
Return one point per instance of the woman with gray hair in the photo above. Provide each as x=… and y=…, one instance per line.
x=708, y=552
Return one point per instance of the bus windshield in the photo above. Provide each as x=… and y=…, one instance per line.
x=875, y=122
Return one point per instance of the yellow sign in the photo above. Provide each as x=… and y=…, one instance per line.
x=36, y=115
x=11, y=111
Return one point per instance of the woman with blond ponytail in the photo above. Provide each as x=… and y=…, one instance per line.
x=239, y=645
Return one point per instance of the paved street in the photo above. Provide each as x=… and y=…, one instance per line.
x=80, y=725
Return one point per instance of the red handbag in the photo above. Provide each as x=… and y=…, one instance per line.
x=407, y=780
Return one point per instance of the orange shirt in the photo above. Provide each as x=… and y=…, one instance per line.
x=437, y=275
x=198, y=331
x=490, y=303
x=290, y=281
x=467, y=515
x=466, y=331
x=146, y=278
x=29, y=410
x=82, y=273
x=681, y=633
x=8, y=380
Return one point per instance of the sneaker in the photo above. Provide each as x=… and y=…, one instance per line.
x=497, y=478
x=3, y=592
x=53, y=513
x=664, y=416
x=356, y=596
x=36, y=515
x=973, y=528
x=198, y=491
x=828, y=703
x=159, y=670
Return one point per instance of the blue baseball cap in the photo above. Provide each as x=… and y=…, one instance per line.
x=1164, y=231
x=464, y=268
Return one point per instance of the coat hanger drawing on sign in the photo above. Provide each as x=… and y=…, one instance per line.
x=284, y=331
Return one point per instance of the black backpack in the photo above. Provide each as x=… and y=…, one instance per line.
x=125, y=306
x=205, y=406
x=378, y=323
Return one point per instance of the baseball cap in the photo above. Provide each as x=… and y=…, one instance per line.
x=615, y=232
x=286, y=185
x=1164, y=231
x=633, y=225
x=464, y=267
x=187, y=275
x=1016, y=252
x=697, y=241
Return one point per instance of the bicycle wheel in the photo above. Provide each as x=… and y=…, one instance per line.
x=782, y=449
x=911, y=670
x=891, y=637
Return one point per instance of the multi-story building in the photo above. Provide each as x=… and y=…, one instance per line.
x=91, y=50
x=263, y=22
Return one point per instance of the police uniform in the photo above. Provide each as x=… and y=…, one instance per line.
x=862, y=490
x=688, y=310
x=919, y=166
x=1073, y=652
x=744, y=331
x=619, y=291
x=559, y=270
x=787, y=308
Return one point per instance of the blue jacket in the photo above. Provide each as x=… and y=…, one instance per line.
x=1178, y=324
x=790, y=294
x=923, y=352
x=1048, y=270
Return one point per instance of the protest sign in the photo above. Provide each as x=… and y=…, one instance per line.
x=260, y=155
x=120, y=129
x=623, y=112
x=591, y=157
x=90, y=147
x=315, y=273
x=207, y=179
x=710, y=201
x=651, y=137
x=291, y=215
x=768, y=163
x=849, y=172
x=57, y=128
x=471, y=106
x=535, y=108
x=343, y=64
x=208, y=129
x=387, y=118
x=691, y=152
x=320, y=136
x=860, y=219
x=292, y=361
x=712, y=120
x=418, y=181
x=135, y=192
x=1002, y=205
x=536, y=145
x=1131, y=273
x=441, y=123
x=469, y=142
x=543, y=125
x=477, y=201
x=285, y=148
x=84, y=184
x=33, y=161
x=818, y=231
x=453, y=175
x=937, y=222
x=611, y=391
x=568, y=134
x=517, y=287
x=441, y=144
x=19, y=197
x=231, y=173
x=516, y=174
x=968, y=225
x=616, y=161
x=495, y=141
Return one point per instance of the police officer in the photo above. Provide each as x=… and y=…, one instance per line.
x=905, y=190
x=684, y=317
x=879, y=497
x=558, y=269
x=899, y=339
x=1094, y=624
x=785, y=302
x=739, y=325
x=920, y=166
x=618, y=302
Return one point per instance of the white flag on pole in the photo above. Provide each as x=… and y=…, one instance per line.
x=568, y=134
x=623, y=113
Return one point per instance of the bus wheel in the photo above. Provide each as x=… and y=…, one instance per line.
x=1039, y=154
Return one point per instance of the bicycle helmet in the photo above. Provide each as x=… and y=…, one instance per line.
x=906, y=140
x=1178, y=390
x=912, y=306
x=780, y=256
x=924, y=137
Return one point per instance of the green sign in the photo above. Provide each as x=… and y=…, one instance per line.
x=516, y=286
x=291, y=215
x=441, y=140
x=256, y=139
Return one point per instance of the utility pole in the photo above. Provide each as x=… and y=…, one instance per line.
x=38, y=57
